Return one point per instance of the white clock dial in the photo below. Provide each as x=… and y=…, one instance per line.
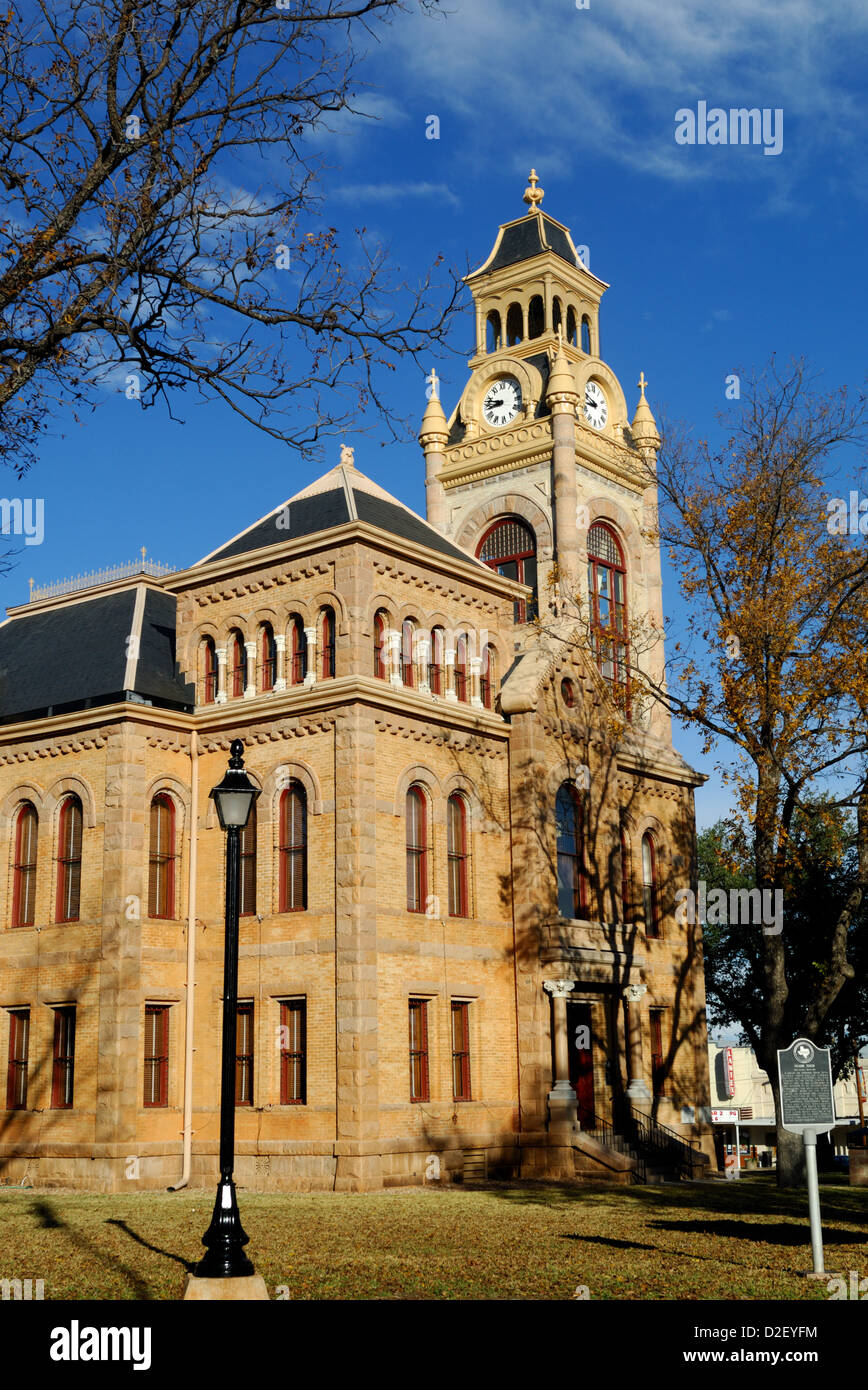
x=502, y=401
x=596, y=409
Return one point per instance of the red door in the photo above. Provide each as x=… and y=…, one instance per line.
x=582, y=1060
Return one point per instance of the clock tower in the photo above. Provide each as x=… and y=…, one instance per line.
x=539, y=470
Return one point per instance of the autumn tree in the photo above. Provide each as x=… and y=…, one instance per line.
x=160, y=226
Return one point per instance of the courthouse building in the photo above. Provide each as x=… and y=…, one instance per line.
x=459, y=954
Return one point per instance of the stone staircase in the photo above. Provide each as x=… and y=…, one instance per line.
x=639, y=1150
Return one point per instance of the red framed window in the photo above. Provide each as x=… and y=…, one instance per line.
x=419, y=1049
x=24, y=868
x=435, y=661
x=626, y=879
x=607, y=590
x=460, y=1050
x=456, y=854
x=293, y=1052
x=19, y=1047
x=417, y=850
x=656, y=1024
x=572, y=891
x=509, y=548
x=244, y=1053
x=161, y=869
x=381, y=662
x=63, y=1068
x=268, y=657
x=328, y=643
x=461, y=668
x=248, y=865
x=238, y=665
x=650, y=895
x=297, y=652
x=408, y=664
x=69, y=860
x=209, y=684
x=293, y=849
x=486, y=676
x=156, y=1054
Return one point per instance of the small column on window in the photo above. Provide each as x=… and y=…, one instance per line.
x=394, y=642
x=475, y=684
x=310, y=639
x=220, y=697
x=422, y=658
x=250, y=687
x=280, y=645
x=449, y=674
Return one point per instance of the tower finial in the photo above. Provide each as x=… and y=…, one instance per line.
x=642, y=383
x=533, y=196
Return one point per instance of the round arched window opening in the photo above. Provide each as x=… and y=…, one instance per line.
x=568, y=692
x=509, y=548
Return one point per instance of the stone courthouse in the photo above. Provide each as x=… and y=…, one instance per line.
x=459, y=951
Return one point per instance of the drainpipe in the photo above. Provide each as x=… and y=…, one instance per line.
x=191, y=964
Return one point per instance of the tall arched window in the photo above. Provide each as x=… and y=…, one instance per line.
x=514, y=325
x=456, y=854
x=237, y=665
x=248, y=866
x=571, y=326
x=69, y=860
x=24, y=869
x=209, y=671
x=586, y=334
x=650, y=895
x=381, y=663
x=268, y=657
x=435, y=661
x=461, y=667
x=626, y=879
x=417, y=850
x=557, y=314
x=607, y=588
x=327, y=643
x=408, y=638
x=161, y=867
x=297, y=651
x=572, y=891
x=509, y=548
x=486, y=677
x=492, y=331
x=536, y=317
x=293, y=849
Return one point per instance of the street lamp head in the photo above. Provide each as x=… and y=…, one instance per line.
x=235, y=795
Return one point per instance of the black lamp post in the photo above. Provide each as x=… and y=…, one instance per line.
x=225, y=1237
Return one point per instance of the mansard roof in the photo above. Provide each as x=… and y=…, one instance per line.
x=342, y=495
x=74, y=654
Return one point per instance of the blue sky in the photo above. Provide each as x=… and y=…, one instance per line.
x=716, y=255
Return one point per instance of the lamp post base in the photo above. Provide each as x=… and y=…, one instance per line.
x=225, y=1239
x=251, y=1286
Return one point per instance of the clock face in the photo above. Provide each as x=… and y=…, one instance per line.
x=596, y=409
x=502, y=401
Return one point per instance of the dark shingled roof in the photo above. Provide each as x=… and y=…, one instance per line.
x=74, y=656
x=521, y=240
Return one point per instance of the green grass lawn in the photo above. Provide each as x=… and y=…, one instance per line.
x=729, y=1240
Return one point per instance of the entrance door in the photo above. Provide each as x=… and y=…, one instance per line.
x=581, y=1060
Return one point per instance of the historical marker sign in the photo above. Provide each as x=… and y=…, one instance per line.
x=807, y=1100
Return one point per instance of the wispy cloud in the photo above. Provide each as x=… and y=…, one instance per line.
x=393, y=192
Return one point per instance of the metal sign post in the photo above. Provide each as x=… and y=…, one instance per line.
x=808, y=1108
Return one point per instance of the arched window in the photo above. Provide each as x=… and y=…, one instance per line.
x=381, y=662
x=209, y=671
x=69, y=860
x=557, y=314
x=268, y=657
x=492, y=331
x=435, y=661
x=456, y=854
x=509, y=548
x=586, y=334
x=486, y=677
x=461, y=667
x=607, y=588
x=514, y=325
x=572, y=891
x=24, y=869
x=327, y=643
x=297, y=651
x=536, y=317
x=408, y=637
x=626, y=879
x=571, y=326
x=650, y=895
x=237, y=665
x=417, y=850
x=293, y=849
x=248, y=866
x=568, y=692
x=161, y=868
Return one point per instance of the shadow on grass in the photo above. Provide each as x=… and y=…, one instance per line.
x=761, y=1232
x=49, y=1220
x=188, y=1265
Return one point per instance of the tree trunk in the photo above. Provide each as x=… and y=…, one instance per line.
x=791, y=1159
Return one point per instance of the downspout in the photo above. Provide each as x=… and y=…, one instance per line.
x=191, y=964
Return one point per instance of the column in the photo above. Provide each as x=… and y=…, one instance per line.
x=449, y=674
x=220, y=698
x=636, y=1088
x=563, y=1106
x=475, y=673
x=280, y=678
x=310, y=639
x=423, y=651
x=250, y=687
